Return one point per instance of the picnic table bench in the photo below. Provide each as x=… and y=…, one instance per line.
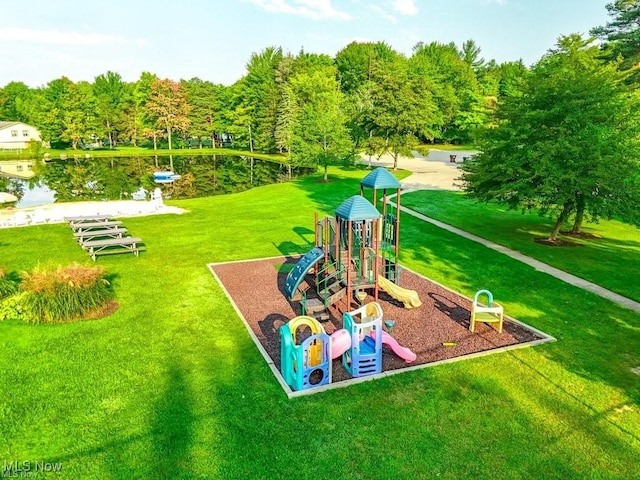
x=112, y=245
x=85, y=227
x=87, y=218
x=85, y=235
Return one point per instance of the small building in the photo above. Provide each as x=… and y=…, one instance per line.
x=16, y=135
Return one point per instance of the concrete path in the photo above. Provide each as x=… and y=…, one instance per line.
x=435, y=172
x=540, y=266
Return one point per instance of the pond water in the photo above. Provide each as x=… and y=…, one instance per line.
x=119, y=178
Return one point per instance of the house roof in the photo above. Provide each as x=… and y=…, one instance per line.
x=357, y=208
x=4, y=125
x=380, y=178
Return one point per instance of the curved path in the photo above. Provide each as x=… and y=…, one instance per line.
x=434, y=172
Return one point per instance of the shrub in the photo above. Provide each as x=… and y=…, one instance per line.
x=13, y=308
x=66, y=293
x=34, y=148
x=7, y=287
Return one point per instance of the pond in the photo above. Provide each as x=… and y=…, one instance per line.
x=119, y=178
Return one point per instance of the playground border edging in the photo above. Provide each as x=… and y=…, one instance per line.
x=546, y=338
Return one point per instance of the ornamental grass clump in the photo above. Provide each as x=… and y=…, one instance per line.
x=63, y=294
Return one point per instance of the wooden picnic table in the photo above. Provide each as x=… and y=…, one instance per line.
x=85, y=227
x=85, y=235
x=112, y=245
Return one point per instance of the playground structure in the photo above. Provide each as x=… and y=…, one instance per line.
x=355, y=252
x=492, y=313
x=309, y=363
x=365, y=326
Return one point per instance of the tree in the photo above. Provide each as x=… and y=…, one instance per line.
x=287, y=108
x=285, y=124
x=260, y=97
x=319, y=132
x=622, y=33
x=202, y=97
x=137, y=124
x=9, y=96
x=568, y=144
x=470, y=54
x=78, y=107
x=454, y=88
x=355, y=63
x=110, y=92
x=402, y=107
x=168, y=107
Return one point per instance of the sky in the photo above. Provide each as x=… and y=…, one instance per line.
x=41, y=40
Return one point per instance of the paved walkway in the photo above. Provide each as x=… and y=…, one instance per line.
x=540, y=266
x=434, y=172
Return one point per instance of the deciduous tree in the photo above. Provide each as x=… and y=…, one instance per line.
x=168, y=107
x=568, y=144
x=110, y=93
x=320, y=135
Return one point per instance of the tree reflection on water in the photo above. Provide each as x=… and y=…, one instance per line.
x=116, y=178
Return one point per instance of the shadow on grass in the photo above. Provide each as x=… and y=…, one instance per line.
x=590, y=340
x=172, y=426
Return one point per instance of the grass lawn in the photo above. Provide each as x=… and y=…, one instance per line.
x=171, y=385
x=611, y=260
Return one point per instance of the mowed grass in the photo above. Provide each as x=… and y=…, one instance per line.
x=171, y=385
x=610, y=259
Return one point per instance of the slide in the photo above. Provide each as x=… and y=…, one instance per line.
x=408, y=297
x=403, y=352
x=340, y=341
x=296, y=275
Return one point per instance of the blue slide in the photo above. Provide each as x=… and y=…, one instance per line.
x=296, y=275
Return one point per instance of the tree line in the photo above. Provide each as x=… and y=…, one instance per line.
x=367, y=97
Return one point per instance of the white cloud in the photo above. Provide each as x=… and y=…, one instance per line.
x=405, y=7
x=65, y=38
x=383, y=13
x=316, y=9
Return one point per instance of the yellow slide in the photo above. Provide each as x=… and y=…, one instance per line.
x=408, y=297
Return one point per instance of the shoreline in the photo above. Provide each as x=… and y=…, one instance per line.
x=57, y=212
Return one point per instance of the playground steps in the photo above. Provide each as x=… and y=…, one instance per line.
x=337, y=293
x=315, y=308
x=314, y=305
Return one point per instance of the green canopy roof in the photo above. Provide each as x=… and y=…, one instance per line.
x=357, y=208
x=379, y=179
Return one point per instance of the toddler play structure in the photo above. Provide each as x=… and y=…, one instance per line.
x=356, y=251
x=308, y=364
x=365, y=328
x=491, y=313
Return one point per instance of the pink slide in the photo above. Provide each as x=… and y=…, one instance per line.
x=403, y=352
x=340, y=342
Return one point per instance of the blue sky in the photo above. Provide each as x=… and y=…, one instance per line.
x=41, y=40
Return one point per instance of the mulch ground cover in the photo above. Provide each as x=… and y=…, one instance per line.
x=256, y=287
